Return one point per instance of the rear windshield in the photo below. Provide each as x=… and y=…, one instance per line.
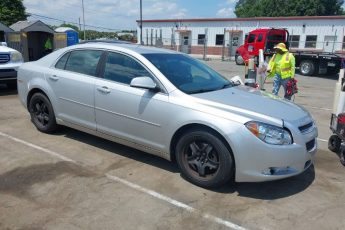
x=276, y=37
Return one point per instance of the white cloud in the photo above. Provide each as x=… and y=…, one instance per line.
x=116, y=14
x=226, y=12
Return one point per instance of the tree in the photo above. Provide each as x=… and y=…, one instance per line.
x=12, y=11
x=278, y=8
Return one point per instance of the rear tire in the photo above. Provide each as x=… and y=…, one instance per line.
x=307, y=67
x=334, y=143
x=42, y=113
x=203, y=159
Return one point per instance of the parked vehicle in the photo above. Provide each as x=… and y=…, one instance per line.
x=308, y=62
x=171, y=105
x=10, y=60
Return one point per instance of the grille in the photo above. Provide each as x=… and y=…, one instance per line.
x=305, y=128
x=310, y=145
x=6, y=70
x=4, y=58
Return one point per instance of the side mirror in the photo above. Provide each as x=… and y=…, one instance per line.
x=144, y=83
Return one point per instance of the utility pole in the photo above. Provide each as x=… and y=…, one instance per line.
x=79, y=25
x=141, y=22
x=82, y=3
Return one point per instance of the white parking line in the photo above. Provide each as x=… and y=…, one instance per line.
x=61, y=157
x=135, y=186
x=323, y=140
x=314, y=107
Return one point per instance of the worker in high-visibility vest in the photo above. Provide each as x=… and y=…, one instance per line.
x=282, y=68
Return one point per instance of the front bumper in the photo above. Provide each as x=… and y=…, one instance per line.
x=258, y=161
x=9, y=71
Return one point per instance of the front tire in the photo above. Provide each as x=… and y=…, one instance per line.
x=204, y=159
x=239, y=59
x=42, y=113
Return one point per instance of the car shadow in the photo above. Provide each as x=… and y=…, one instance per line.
x=272, y=190
x=264, y=190
x=4, y=91
x=119, y=149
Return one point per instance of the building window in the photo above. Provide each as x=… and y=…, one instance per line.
x=294, y=41
x=251, y=38
x=201, y=39
x=310, y=41
x=219, y=39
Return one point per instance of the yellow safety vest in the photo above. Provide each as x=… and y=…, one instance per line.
x=286, y=70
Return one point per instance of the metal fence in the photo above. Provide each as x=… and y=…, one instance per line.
x=226, y=49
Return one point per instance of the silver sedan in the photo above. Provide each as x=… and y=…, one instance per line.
x=171, y=105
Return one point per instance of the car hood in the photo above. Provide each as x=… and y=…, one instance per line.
x=254, y=104
x=6, y=49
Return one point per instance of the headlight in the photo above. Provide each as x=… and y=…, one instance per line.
x=16, y=57
x=269, y=133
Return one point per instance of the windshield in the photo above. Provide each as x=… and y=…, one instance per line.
x=188, y=74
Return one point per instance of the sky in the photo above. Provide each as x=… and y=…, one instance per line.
x=122, y=14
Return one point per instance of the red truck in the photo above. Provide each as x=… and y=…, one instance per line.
x=308, y=62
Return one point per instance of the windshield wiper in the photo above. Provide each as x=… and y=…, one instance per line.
x=227, y=85
x=201, y=91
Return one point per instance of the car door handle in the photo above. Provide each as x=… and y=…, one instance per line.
x=103, y=89
x=53, y=77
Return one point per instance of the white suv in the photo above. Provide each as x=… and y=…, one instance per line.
x=10, y=60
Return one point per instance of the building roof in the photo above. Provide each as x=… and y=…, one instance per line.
x=5, y=28
x=64, y=29
x=31, y=26
x=247, y=19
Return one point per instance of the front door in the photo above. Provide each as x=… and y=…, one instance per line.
x=72, y=81
x=131, y=114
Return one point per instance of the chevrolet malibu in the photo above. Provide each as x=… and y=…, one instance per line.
x=171, y=105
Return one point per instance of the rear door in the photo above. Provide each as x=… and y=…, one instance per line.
x=137, y=115
x=72, y=81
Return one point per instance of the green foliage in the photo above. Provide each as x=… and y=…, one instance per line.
x=12, y=11
x=92, y=35
x=278, y=8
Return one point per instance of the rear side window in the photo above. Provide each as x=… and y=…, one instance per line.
x=62, y=62
x=121, y=68
x=84, y=61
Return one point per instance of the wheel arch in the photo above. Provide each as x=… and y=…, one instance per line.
x=196, y=126
x=32, y=92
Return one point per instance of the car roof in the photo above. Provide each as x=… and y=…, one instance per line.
x=130, y=46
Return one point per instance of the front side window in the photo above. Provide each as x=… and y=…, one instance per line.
x=187, y=74
x=84, y=61
x=310, y=41
x=251, y=38
x=121, y=68
x=260, y=37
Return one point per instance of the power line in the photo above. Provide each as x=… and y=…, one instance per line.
x=70, y=22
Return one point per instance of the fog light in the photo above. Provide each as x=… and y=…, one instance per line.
x=277, y=171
